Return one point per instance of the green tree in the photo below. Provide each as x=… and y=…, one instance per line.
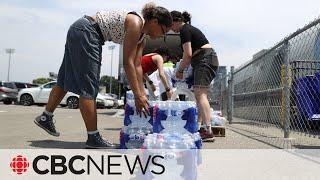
x=40, y=81
x=105, y=81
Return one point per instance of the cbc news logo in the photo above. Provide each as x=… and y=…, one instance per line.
x=19, y=164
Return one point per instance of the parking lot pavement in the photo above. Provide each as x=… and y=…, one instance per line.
x=17, y=130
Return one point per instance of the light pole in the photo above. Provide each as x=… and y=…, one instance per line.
x=221, y=93
x=111, y=48
x=9, y=51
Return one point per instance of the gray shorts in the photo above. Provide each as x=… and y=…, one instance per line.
x=80, y=70
x=205, y=64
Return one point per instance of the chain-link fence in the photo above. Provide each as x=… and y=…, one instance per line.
x=218, y=95
x=278, y=92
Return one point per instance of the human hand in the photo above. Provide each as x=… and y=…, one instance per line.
x=169, y=94
x=142, y=105
x=153, y=87
x=179, y=75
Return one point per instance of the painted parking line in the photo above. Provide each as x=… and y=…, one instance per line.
x=3, y=111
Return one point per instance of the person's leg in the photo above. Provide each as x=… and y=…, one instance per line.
x=199, y=118
x=88, y=111
x=45, y=120
x=203, y=103
x=56, y=95
x=204, y=111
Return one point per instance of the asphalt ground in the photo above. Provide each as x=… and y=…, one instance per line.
x=18, y=131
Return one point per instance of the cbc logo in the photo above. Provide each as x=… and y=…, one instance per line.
x=19, y=164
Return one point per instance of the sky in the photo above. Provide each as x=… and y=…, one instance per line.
x=237, y=29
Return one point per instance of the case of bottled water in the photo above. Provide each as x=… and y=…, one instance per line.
x=136, y=127
x=172, y=141
x=173, y=124
x=180, y=154
x=175, y=117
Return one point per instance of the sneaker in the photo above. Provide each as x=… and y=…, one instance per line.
x=46, y=123
x=207, y=137
x=95, y=141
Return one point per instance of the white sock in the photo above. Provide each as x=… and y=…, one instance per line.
x=48, y=113
x=209, y=128
x=199, y=125
x=92, y=132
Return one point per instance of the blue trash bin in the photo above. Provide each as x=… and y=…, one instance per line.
x=307, y=94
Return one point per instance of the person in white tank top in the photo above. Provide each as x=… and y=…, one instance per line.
x=130, y=28
x=80, y=70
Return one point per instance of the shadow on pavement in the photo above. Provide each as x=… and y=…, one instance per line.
x=57, y=144
x=306, y=147
x=108, y=113
x=113, y=129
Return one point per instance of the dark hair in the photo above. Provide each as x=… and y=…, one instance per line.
x=151, y=11
x=163, y=51
x=174, y=58
x=183, y=17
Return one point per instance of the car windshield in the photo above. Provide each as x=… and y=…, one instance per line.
x=50, y=85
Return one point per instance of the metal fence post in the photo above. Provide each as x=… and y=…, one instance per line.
x=230, y=96
x=286, y=89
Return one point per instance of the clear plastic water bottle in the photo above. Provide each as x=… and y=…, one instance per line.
x=137, y=131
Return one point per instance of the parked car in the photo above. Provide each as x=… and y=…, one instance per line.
x=105, y=101
x=8, y=92
x=22, y=85
x=112, y=95
x=121, y=102
x=40, y=95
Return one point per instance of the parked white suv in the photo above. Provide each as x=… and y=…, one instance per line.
x=40, y=95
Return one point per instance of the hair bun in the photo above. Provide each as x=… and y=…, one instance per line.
x=186, y=17
x=148, y=9
x=149, y=5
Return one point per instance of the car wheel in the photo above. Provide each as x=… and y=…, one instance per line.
x=73, y=103
x=7, y=102
x=26, y=100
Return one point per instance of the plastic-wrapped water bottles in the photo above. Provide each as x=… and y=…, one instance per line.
x=136, y=127
x=129, y=95
x=173, y=124
x=187, y=72
x=169, y=141
x=184, y=85
x=175, y=117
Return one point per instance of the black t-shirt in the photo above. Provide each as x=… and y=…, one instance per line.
x=188, y=33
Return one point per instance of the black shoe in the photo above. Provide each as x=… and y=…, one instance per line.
x=46, y=123
x=95, y=141
x=207, y=137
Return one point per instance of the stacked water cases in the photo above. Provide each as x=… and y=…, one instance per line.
x=135, y=128
x=173, y=124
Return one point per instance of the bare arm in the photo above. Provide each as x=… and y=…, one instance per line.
x=129, y=54
x=187, y=55
x=159, y=61
x=146, y=77
x=133, y=30
x=164, y=80
x=138, y=67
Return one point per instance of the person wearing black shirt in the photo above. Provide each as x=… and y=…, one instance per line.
x=204, y=61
